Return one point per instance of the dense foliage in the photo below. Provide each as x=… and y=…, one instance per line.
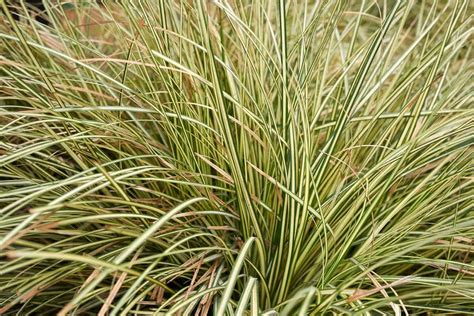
x=237, y=157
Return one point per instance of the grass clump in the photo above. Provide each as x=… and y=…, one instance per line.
x=237, y=158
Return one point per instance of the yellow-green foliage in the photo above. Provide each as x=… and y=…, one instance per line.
x=236, y=157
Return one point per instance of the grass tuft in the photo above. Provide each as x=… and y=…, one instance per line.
x=237, y=158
